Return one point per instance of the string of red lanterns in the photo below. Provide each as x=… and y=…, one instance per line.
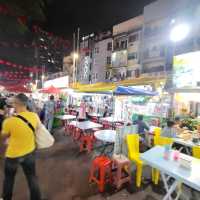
x=33, y=69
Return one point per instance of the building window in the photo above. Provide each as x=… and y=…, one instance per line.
x=132, y=56
x=109, y=60
x=109, y=46
x=124, y=44
x=133, y=38
x=129, y=73
x=96, y=50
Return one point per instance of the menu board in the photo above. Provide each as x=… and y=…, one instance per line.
x=186, y=70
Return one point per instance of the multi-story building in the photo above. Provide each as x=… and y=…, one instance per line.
x=126, y=49
x=159, y=19
x=95, y=57
x=84, y=67
x=102, y=56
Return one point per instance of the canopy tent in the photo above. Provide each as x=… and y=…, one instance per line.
x=123, y=90
x=50, y=90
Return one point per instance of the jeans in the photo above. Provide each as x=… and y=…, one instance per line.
x=49, y=123
x=27, y=163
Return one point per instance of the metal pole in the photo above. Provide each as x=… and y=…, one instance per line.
x=74, y=49
x=77, y=51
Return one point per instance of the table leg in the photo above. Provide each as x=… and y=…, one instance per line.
x=170, y=189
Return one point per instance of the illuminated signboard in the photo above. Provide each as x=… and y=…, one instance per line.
x=186, y=70
x=61, y=82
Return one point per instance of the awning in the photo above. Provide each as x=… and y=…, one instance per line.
x=133, y=91
x=111, y=86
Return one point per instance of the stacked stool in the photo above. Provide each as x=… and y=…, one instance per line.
x=123, y=174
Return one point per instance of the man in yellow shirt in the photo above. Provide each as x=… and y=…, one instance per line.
x=20, y=140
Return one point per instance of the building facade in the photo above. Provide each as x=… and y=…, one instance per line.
x=84, y=65
x=102, y=58
x=140, y=46
x=95, y=57
x=126, y=49
x=160, y=17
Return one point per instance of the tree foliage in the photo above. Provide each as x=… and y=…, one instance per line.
x=35, y=9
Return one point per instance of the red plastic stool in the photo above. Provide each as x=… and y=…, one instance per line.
x=94, y=119
x=87, y=143
x=123, y=174
x=102, y=167
x=69, y=129
x=106, y=125
x=77, y=134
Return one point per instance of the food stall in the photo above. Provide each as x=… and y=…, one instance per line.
x=138, y=101
x=186, y=84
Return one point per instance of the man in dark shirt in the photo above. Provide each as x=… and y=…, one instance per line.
x=142, y=126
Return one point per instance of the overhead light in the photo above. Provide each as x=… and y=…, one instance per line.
x=75, y=55
x=42, y=39
x=179, y=32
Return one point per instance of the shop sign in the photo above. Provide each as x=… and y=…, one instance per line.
x=186, y=70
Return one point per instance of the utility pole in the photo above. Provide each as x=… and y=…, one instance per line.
x=77, y=53
x=74, y=59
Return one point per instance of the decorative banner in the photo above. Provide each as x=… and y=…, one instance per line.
x=33, y=69
x=5, y=10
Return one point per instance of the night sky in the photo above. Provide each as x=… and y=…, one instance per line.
x=64, y=16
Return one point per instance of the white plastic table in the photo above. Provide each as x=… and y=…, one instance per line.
x=95, y=115
x=170, y=168
x=66, y=117
x=106, y=135
x=111, y=119
x=86, y=125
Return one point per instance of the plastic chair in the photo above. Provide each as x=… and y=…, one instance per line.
x=157, y=131
x=161, y=141
x=196, y=152
x=134, y=155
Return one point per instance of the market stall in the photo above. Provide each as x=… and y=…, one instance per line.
x=133, y=101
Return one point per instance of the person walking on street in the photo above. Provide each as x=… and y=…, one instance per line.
x=20, y=149
x=50, y=107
